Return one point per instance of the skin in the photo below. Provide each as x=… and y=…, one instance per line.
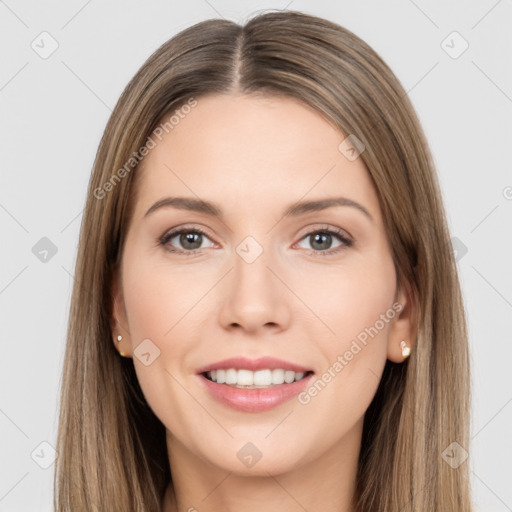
x=255, y=156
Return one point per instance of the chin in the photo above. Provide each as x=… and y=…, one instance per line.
x=257, y=458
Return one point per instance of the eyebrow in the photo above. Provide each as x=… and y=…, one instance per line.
x=294, y=210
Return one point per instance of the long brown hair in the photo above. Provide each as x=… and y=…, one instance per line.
x=111, y=447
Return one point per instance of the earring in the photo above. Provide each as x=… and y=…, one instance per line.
x=405, y=349
x=119, y=338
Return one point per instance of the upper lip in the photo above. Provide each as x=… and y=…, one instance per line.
x=262, y=363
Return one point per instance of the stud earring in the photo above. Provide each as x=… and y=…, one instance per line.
x=405, y=349
x=119, y=338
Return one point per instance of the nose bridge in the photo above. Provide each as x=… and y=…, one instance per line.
x=254, y=296
x=251, y=277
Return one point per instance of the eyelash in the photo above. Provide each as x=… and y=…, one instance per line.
x=346, y=242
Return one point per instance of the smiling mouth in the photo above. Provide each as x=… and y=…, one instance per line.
x=260, y=379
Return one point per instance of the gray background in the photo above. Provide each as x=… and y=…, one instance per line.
x=54, y=110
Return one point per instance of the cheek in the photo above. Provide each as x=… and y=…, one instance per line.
x=347, y=299
x=357, y=306
x=359, y=310
x=157, y=298
x=158, y=301
x=163, y=306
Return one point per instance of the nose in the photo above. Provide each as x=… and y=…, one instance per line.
x=253, y=298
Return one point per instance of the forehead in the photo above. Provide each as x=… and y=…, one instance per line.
x=250, y=151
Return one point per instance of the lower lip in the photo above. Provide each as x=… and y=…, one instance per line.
x=254, y=400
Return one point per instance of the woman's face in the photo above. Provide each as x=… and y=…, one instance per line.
x=314, y=287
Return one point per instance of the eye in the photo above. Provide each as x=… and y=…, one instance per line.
x=321, y=241
x=190, y=240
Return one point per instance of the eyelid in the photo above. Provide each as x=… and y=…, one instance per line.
x=315, y=228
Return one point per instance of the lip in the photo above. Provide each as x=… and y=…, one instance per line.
x=254, y=400
x=263, y=363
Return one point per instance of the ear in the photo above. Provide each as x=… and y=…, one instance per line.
x=119, y=321
x=403, y=326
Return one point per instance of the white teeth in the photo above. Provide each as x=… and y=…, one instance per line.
x=253, y=380
x=231, y=376
x=244, y=378
x=289, y=377
x=261, y=378
x=277, y=376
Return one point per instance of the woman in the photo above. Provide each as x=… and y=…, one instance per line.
x=266, y=311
